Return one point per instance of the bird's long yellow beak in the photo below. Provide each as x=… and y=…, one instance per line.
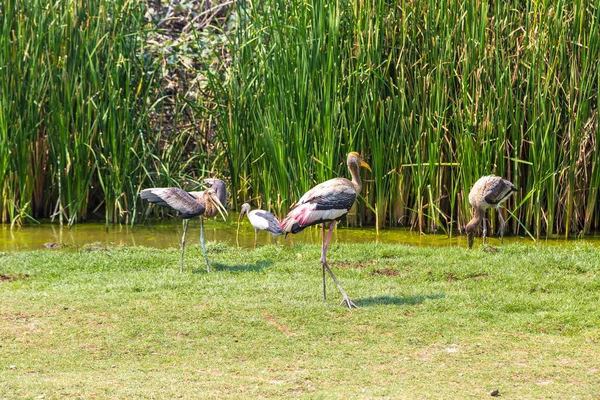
x=220, y=207
x=367, y=166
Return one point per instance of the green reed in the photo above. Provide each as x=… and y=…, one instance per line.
x=434, y=93
x=74, y=104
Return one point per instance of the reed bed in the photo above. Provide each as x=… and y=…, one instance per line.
x=73, y=101
x=85, y=121
x=434, y=93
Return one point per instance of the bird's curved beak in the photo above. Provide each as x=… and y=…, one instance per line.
x=219, y=206
x=364, y=164
x=241, y=215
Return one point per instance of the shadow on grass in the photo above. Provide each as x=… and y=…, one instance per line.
x=258, y=266
x=396, y=301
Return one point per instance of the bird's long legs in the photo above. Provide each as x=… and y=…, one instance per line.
x=255, y=237
x=502, y=224
x=323, y=262
x=202, y=243
x=345, y=298
x=484, y=229
x=185, y=225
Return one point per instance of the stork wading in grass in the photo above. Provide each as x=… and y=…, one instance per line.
x=205, y=203
x=261, y=221
x=488, y=192
x=327, y=203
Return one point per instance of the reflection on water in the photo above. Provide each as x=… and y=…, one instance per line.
x=167, y=233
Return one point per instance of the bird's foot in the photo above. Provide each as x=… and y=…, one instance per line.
x=488, y=249
x=348, y=302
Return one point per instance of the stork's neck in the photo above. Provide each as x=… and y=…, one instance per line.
x=209, y=208
x=474, y=223
x=356, y=181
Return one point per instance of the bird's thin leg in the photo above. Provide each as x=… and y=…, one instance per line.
x=345, y=298
x=502, y=224
x=255, y=237
x=484, y=229
x=202, y=243
x=185, y=225
x=323, y=261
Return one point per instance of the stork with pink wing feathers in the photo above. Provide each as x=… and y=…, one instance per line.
x=327, y=203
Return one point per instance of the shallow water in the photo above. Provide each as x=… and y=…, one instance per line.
x=167, y=233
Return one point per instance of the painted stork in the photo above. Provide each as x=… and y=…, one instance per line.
x=327, y=202
x=488, y=192
x=191, y=204
x=261, y=220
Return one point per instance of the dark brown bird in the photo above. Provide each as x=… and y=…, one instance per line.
x=204, y=204
x=488, y=192
x=327, y=202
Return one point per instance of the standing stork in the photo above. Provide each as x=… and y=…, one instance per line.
x=488, y=192
x=204, y=204
x=261, y=220
x=327, y=202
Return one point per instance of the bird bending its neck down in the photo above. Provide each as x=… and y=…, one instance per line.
x=471, y=228
x=488, y=192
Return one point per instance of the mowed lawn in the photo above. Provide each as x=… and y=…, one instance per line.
x=433, y=323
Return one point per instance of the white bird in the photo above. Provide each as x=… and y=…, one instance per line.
x=191, y=204
x=261, y=220
x=488, y=192
x=327, y=202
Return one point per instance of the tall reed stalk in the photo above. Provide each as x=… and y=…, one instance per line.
x=74, y=102
x=434, y=93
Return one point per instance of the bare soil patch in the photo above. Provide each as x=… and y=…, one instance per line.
x=12, y=278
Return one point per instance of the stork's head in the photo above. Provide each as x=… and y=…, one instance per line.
x=470, y=235
x=356, y=159
x=211, y=198
x=245, y=209
x=219, y=186
x=473, y=225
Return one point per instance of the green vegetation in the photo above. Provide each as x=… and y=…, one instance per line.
x=433, y=323
x=73, y=101
x=100, y=100
x=82, y=122
x=434, y=93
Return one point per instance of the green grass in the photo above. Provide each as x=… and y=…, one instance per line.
x=432, y=323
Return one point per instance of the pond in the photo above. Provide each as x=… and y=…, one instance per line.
x=167, y=233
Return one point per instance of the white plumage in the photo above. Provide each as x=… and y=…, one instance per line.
x=261, y=221
x=258, y=222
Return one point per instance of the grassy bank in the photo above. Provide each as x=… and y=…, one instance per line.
x=433, y=322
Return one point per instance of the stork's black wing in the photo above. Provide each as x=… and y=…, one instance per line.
x=175, y=198
x=498, y=191
x=273, y=227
